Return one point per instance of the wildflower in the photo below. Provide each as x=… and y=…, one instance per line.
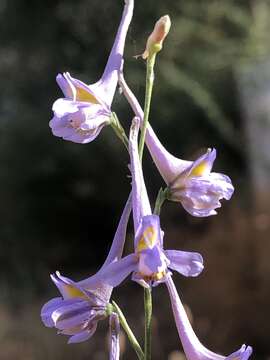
x=150, y=262
x=194, y=350
x=190, y=182
x=86, y=109
x=84, y=303
x=158, y=35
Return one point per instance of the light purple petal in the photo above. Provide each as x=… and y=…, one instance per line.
x=83, y=335
x=80, y=85
x=66, y=86
x=186, y=263
x=62, y=107
x=48, y=309
x=242, y=354
x=67, y=287
x=203, y=165
x=114, y=337
x=194, y=350
x=152, y=261
x=200, y=196
x=140, y=202
x=71, y=315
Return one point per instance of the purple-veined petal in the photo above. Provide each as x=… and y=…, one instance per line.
x=193, y=348
x=114, y=337
x=186, y=263
x=140, y=202
x=83, y=335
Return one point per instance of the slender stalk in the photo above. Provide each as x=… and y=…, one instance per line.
x=148, y=94
x=162, y=196
x=119, y=130
x=148, y=322
x=131, y=337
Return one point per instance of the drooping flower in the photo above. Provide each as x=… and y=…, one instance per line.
x=150, y=263
x=86, y=109
x=193, y=348
x=190, y=182
x=82, y=304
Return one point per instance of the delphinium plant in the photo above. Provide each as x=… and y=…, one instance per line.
x=80, y=117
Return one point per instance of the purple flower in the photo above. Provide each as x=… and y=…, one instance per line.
x=194, y=350
x=81, y=305
x=86, y=109
x=150, y=262
x=190, y=182
x=76, y=313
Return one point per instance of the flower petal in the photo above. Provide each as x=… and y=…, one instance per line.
x=71, y=315
x=186, y=263
x=203, y=165
x=48, y=309
x=83, y=335
x=66, y=86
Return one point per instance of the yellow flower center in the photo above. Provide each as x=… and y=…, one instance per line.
x=83, y=95
x=148, y=239
x=74, y=292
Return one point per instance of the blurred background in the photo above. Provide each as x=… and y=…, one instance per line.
x=212, y=89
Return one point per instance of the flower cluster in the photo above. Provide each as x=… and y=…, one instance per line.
x=79, y=117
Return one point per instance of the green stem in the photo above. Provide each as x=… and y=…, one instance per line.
x=148, y=94
x=162, y=196
x=119, y=130
x=148, y=322
x=132, y=339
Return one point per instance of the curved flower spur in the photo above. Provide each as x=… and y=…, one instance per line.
x=189, y=182
x=84, y=303
x=193, y=348
x=86, y=109
x=149, y=263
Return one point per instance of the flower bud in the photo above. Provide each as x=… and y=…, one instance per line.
x=155, y=40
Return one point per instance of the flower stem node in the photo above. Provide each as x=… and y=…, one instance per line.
x=155, y=41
